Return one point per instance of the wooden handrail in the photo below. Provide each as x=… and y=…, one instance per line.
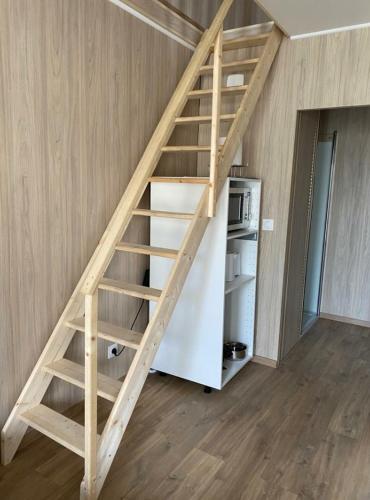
x=151, y=156
x=88, y=488
x=215, y=125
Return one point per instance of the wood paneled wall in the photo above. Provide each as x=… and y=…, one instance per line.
x=321, y=72
x=82, y=86
x=346, y=280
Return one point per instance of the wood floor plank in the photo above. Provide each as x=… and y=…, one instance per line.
x=299, y=432
x=191, y=478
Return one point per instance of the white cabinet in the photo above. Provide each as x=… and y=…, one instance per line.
x=210, y=311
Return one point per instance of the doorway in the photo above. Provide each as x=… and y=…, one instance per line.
x=327, y=272
x=319, y=216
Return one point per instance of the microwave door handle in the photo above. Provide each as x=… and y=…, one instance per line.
x=249, y=206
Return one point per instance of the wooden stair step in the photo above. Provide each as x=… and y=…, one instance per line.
x=138, y=291
x=112, y=333
x=74, y=373
x=186, y=120
x=147, y=250
x=235, y=90
x=244, y=42
x=187, y=149
x=159, y=213
x=61, y=429
x=232, y=67
x=181, y=180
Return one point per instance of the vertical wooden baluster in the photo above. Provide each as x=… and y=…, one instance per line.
x=91, y=367
x=215, y=126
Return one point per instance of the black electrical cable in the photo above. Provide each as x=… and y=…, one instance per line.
x=114, y=351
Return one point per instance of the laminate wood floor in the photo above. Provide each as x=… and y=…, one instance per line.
x=299, y=432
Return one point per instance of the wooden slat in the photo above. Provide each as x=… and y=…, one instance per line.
x=232, y=67
x=225, y=91
x=186, y=120
x=186, y=149
x=215, y=126
x=57, y=427
x=112, y=333
x=159, y=213
x=147, y=250
x=244, y=42
x=74, y=373
x=181, y=180
x=141, y=292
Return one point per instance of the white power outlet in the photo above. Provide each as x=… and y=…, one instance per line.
x=267, y=224
x=111, y=348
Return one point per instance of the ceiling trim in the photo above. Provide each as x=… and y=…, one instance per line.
x=146, y=19
x=330, y=31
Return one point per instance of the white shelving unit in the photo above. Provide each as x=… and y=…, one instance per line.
x=210, y=311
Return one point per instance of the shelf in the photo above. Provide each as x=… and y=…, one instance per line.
x=232, y=235
x=237, y=282
x=232, y=368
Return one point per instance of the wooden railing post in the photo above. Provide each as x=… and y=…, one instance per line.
x=215, y=125
x=88, y=487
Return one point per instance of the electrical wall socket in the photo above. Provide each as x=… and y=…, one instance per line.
x=111, y=348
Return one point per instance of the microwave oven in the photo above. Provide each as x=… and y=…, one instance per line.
x=239, y=208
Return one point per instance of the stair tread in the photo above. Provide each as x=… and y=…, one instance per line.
x=186, y=148
x=139, y=291
x=195, y=148
x=181, y=180
x=112, y=333
x=74, y=373
x=237, y=89
x=241, y=65
x=56, y=426
x=161, y=213
x=244, y=42
x=147, y=250
x=184, y=120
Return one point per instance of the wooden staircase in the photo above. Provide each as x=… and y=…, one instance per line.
x=80, y=314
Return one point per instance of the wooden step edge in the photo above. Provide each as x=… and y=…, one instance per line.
x=111, y=333
x=160, y=213
x=74, y=373
x=236, y=89
x=56, y=426
x=244, y=42
x=186, y=120
x=181, y=180
x=130, y=289
x=186, y=149
x=241, y=65
x=147, y=250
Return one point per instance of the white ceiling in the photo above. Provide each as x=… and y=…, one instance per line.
x=306, y=17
